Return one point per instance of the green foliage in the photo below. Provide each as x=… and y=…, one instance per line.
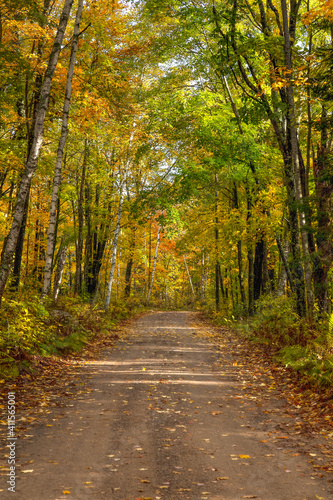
x=278, y=323
x=315, y=366
x=302, y=345
x=22, y=325
x=30, y=329
x=23, y=331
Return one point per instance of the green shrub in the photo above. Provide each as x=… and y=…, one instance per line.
x=278, y=323
x=301, y=344
x=315, y=366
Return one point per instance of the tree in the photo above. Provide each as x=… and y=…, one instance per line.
x=31, y=163
x=60, y=153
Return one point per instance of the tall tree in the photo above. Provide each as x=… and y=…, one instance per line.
x=31, y=163
x=60, y=153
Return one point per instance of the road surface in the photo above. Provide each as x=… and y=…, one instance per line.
x=165, y=416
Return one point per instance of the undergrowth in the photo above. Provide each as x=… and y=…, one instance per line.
x=302, y=344
x=31, y=331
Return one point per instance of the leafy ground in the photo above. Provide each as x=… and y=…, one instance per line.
x=286, y=425
x=314, y=405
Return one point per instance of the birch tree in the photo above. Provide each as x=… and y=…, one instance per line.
x=154, y=265
x=31, y=164
x=189, y=276
x=114, y=250
x=60, y=153
x=59, y=271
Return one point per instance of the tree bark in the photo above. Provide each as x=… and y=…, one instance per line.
x=258, y=260
x=80, y=217
x=189, y=276
x=203, y=278
x=19, y=247
x=294, y=172
x=114, y=251
x=88, y=250
x=59, y=272
x=129, y=265
x=99, y=277
x=283, y=273
x=37, y=86
x=217, y=264
x=60, y=153
x=154, y=265
x=31, y=163
x=324, y=189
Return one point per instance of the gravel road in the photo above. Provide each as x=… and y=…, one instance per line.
x=164, y=416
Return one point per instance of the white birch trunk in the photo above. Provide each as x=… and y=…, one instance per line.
x=203, y=278
x=145, y=291
x=31, y=163
x=114, y=252
x=59, y=272
x=154, y=265
x=60, y=153
x=119, y=259
x=189, y=276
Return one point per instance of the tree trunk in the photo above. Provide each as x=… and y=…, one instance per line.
x=217, y=264
x=19, y=247
x=189, y=276
x=100, y=236
x=240, y=272
x=60, y=153
x=221, y=282
x=258, y=260
x=37, y=86
x=128, y=274
x=283, y=273
x=293, y=178
x=203, y=279
x=31, y=163
x=239, y=251
x=114, y=251
x=154, y=265
x=80, y=217
x=59, y=272
x=250, y=278
x=324, y=190
x=99, y=277
x=129, y=265
x=146, y=283
x=266, y=287
x=88, y=251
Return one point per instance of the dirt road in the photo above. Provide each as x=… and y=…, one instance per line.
x=166, y=416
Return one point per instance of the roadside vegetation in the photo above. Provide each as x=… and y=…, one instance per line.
x=33, y=334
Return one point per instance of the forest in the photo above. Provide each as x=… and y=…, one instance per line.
x=168, y=155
